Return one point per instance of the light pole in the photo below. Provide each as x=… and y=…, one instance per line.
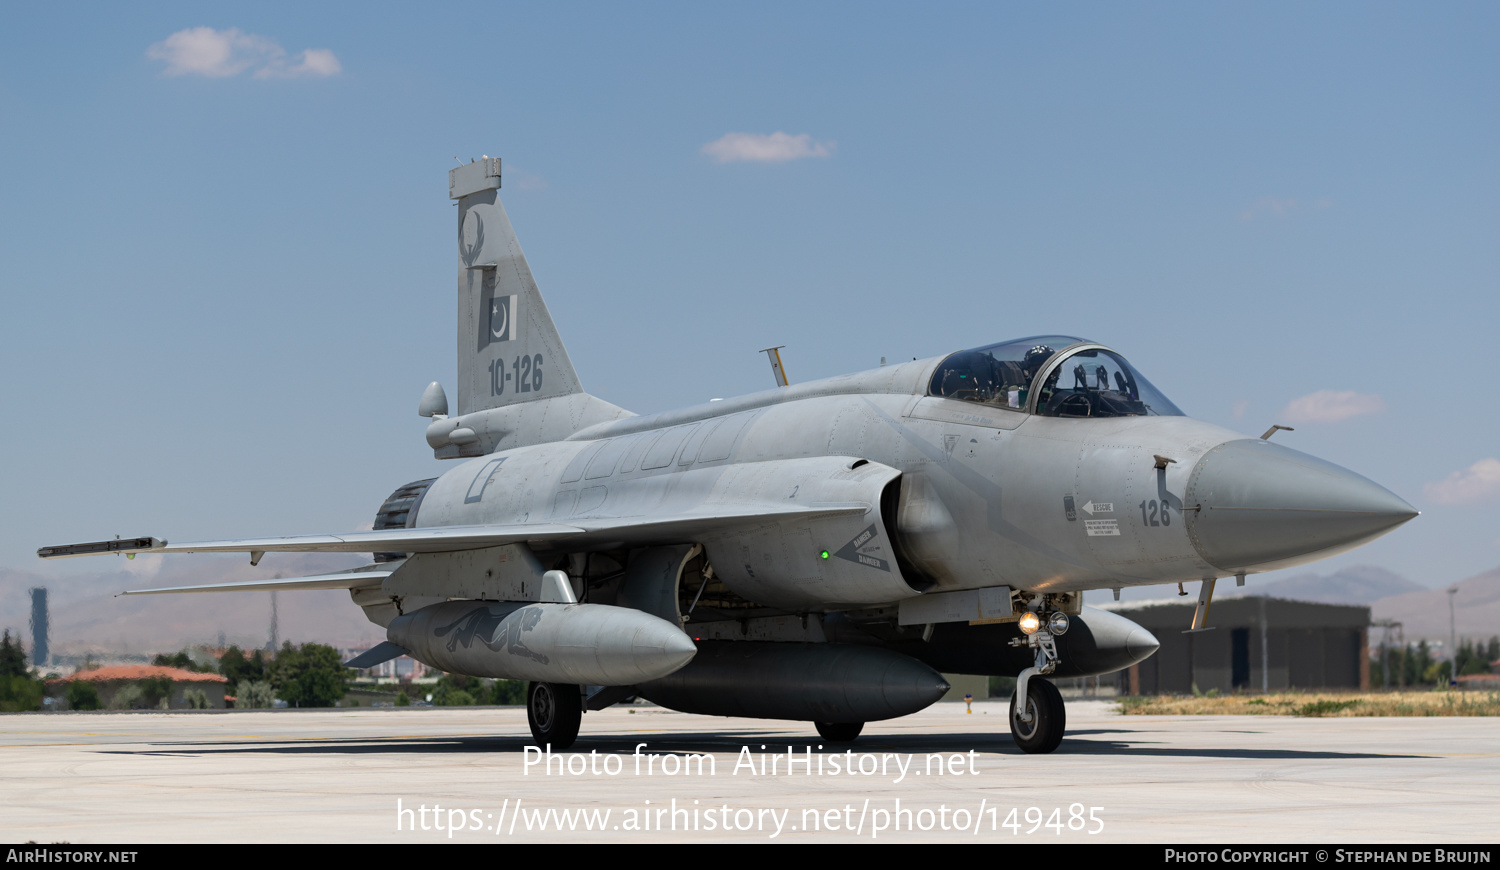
x=1452, y=639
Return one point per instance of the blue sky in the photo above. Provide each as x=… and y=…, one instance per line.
x=228, y=276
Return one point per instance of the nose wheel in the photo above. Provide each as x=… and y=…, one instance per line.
x=554, y=711
x=1041, y=730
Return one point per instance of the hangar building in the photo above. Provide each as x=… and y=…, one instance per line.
x=1253, y=644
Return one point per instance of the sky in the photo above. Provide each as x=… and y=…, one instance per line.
x=226, y=248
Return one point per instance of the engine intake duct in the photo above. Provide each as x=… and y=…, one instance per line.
x=399, y=511
x=817, y=682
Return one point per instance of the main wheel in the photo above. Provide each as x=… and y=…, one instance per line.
x=1048, y=718
x=840, y=732
x=554, y=711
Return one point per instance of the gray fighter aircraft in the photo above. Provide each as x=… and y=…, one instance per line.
x=821, y=551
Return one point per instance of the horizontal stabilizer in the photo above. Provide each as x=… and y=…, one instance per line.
x=376, y=655
x=343, y=580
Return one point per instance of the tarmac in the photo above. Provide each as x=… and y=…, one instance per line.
x=644, y=774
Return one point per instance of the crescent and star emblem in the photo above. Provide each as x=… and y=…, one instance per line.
x=499, y=315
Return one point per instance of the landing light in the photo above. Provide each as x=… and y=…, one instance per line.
x=1058, y=623
x=1030, y=622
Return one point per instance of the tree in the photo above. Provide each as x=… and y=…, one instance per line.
x=1473, y=658
x=236, y=666
x=157, y=691
x=20, y=694
x=82, y=695
x=508, y=693
x=310, y=676
x=12, y=657
x=1417, y=663
x=19, y=691
x=444, y=695
x=456, y=690
x=181, y=659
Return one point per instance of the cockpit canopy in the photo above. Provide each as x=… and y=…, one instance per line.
x=1050, y=375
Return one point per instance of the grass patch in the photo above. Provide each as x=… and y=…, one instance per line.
x=1318, y=704
x=1326, y=707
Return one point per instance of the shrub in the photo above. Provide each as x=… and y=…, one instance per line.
x=508, y=693
x=83, y=695
x=20, y=694
x=254, y=695
x=129, y=697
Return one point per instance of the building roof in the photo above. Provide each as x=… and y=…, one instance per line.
x=1479, y=679
x=141, y=672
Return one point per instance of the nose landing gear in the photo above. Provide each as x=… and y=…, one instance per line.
x=1037, y=715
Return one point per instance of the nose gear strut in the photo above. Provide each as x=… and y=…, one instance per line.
x=1037, y=715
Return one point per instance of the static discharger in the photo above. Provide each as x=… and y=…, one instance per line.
x=774, y=354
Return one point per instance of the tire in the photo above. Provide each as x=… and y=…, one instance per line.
x=554, y=711
x=840, y=732
x=1049, y=718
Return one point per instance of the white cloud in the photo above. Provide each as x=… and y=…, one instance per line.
x=317, y=62
x=1331, y=406
x=1478, y=482
x=203, y=51
x=1240, y=407
x=778, y=147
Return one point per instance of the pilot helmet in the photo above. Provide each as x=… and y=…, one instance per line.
x=1036, y=358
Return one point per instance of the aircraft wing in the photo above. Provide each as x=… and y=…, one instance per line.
x=444, y=539
x=656, y=529
x=341, y=580
x=432, y=540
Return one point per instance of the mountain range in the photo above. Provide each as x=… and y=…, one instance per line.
x=86, y=617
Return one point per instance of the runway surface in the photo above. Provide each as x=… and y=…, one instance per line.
x=353, y=775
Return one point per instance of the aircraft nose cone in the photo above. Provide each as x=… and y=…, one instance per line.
x=1263, y=506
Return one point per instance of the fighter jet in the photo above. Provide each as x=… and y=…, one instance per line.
x=820, y=551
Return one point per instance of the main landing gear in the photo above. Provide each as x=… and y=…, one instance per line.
x=554, y=711
x=1037, y=715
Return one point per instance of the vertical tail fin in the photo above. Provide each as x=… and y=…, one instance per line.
x=516, y=385
x=508, y=348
